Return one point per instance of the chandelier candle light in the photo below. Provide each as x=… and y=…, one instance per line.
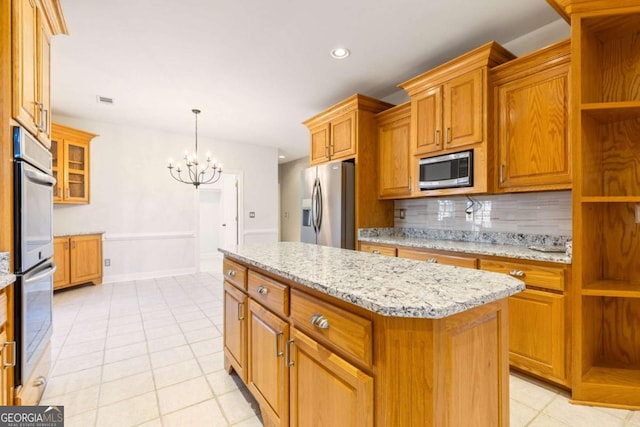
x=197, y=174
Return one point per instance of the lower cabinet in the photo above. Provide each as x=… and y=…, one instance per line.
x=235, y=330
x=268, y=373
x=78, y=260
x=7, y=346
x=326, y=390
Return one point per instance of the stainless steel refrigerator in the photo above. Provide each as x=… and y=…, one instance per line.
x=328, y=207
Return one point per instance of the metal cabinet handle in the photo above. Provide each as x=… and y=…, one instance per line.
x=517, y=273
x=11, y=344
x=448, y=140
x=436, y=137
x=60, y=192
x=320, y=321
x=262, y=290
x=278, y=352
x=74, y=245
x=231, y=273
x=326, y=151
x=288, y=360
x=375, y=251
x=66, y=244
x=432, y=261
x=331, y=150
x=68, y=192
x=502, y=166
x=240, y=311
x=40, y=106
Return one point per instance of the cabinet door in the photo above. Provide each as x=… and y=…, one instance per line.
x=44, y=79
x=268, y=374
x=395, y=173
x=235, y=330
x=326, y=390
x=76, y=157
x=86, y=258
x=343, y=137
x=426, y=121
x=57, y=151
x=24, y=53
x=61, y=277
x=319, y=145
x=533, y=145
x=537, y=333
x=4, y=372
x=463, y=110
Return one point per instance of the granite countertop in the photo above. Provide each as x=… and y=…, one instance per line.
x=5, y=278
x=393, y=287
x=494, y=249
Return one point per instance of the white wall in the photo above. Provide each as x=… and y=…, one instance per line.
x=290, y=176
x=150, y=220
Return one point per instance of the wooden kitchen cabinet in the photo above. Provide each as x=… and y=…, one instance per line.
x=538, y=319
x=78, y=260
x=71, y=169
x=326, y=390
x=235, y=330
x=531, y=121
x=394, y=150
x=450, y=112
x=268, y=373
x=7, y=346
x=34, y=23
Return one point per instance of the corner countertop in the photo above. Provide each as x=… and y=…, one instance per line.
x=5, y=278
x=81, y=233
x=393, y=287
x=515, y=251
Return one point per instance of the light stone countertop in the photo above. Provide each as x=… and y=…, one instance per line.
x=82, y=233
x=494, y=249
x=393, y=287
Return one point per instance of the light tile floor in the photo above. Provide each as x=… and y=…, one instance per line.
x=149, y=353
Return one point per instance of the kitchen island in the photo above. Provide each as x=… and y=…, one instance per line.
x=325, y=336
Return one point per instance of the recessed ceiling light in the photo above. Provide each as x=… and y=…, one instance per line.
x=282, y=156
x=340, y=53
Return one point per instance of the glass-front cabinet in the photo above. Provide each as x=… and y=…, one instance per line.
x=70, y=149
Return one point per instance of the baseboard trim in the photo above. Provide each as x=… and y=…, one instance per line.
x=127, y=277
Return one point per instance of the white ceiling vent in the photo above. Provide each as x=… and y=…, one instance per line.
x=104, y=100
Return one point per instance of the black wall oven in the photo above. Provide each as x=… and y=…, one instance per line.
x=33, y=216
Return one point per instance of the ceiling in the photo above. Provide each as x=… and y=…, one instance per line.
x=258, y=68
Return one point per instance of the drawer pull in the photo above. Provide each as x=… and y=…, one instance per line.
x=432, y=261
x=320, y=321
x=262, y=290
x=375, y=251
x=278, y=352
x=287, y=356
x=13, y=354
x=231, y=273
x=517, y=273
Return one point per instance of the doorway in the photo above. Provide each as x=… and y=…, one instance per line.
x=218, y=221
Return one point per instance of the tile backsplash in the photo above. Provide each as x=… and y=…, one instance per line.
x=546, y=213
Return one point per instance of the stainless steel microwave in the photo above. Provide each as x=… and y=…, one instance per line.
x=447, y=171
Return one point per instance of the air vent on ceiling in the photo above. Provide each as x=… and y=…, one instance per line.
x=104, y=100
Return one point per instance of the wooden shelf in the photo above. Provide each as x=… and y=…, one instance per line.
x=610, y=199
x=615, y=376
x=611, y=288
x=612, y=111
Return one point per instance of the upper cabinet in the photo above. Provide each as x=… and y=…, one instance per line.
x=33, y=24
x=70, y=150
x=335, y=131
x=531, y=102
x=450, y=112
x=394, y=150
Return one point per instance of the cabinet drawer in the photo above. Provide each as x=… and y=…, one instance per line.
x=377, y=249
x=346, y=331
x=269, y=293
x=235, y=273
x=532, y=275
x=458, y=261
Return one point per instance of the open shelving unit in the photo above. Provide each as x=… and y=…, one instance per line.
x=605, y=69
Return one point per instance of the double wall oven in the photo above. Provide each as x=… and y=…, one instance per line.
x=33, y=252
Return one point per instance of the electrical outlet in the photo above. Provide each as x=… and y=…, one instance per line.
x=107, y=262
x=252, y=214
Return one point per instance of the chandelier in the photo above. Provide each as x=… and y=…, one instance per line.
x=195, y=172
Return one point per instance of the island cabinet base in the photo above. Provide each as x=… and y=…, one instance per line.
x=443, y=372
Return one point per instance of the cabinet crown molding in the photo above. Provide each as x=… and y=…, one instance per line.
x=53, y=12
x=567, y=7
x=352, y=103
